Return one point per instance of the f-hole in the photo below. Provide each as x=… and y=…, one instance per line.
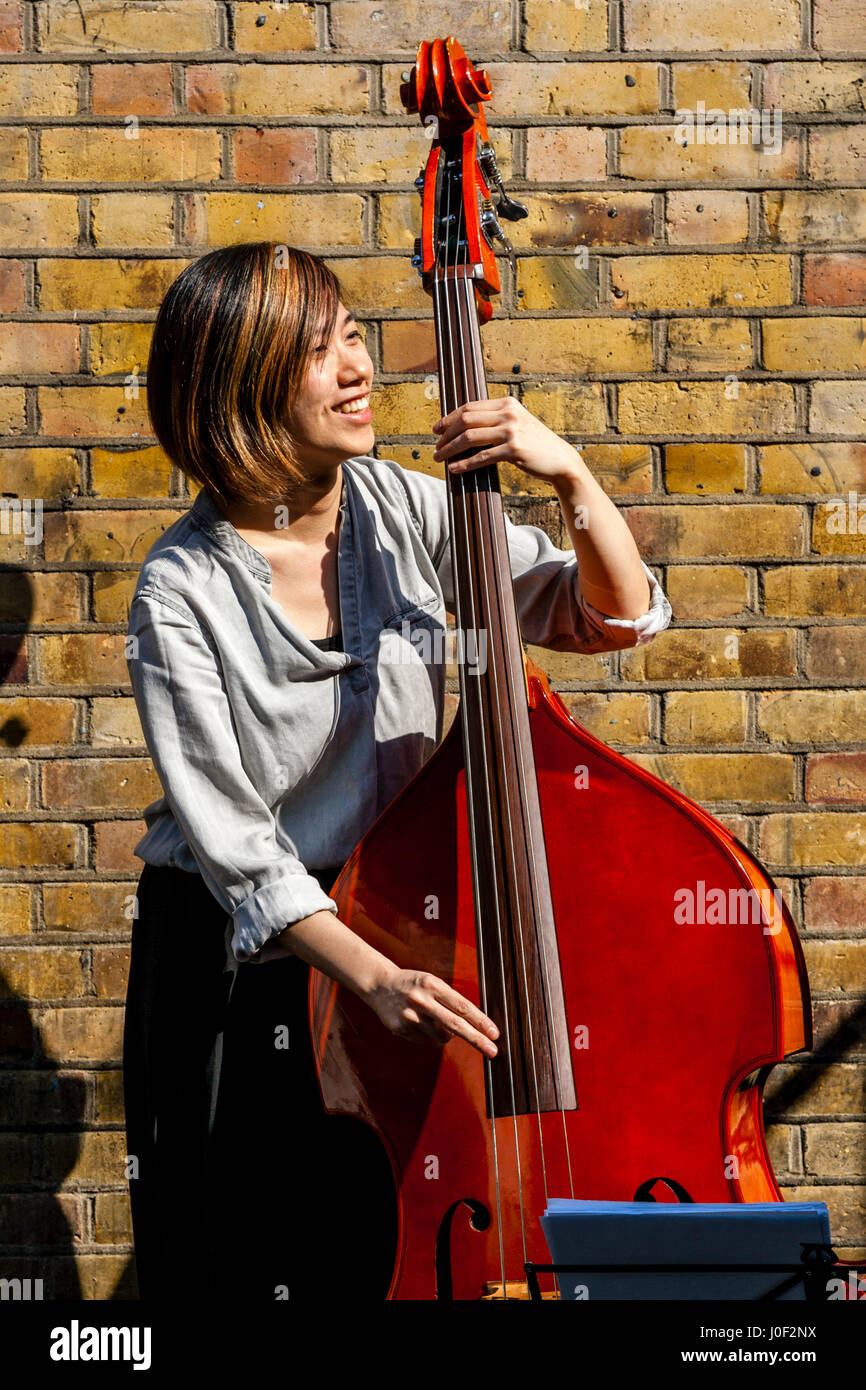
x=479, y=1220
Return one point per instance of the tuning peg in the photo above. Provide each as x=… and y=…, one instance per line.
x=417, y=258
x=507, y=207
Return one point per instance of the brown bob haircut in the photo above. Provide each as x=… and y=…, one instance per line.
x=230, y=348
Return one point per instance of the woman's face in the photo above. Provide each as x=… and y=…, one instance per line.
x=340, y=371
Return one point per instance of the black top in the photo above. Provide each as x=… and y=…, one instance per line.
x=334, y=643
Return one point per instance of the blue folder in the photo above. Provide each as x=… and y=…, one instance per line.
x=625, y=1233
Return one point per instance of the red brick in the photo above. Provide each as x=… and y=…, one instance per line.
x=275, y=156
x=132, y=89
x=835, y=279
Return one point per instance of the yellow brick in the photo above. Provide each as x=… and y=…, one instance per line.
x=47, y=598
x=688, y=531
x=700, y=216
x=112, y=1224
x=111, y=971
x=808, y=87
x=806, y=839
x=46, y=473
x=568, y=345
x=585, y=219
x=691, y=26
x=556, y=282
x=13, y=407
x=14, y=909
x=102, y=1277
x=839, y=527
x=813, y=469
x=705, y=716
x=741, y=777
x=14, y=159
x=399, y=219
x=713, y=345
x=52, y=844
x=287, y=28
x=704, y=592
x=41, y=974
x=815, y=216
x=838, y=407
x=123, y=536
x=133, y=473
x=834, y=151
x=103, y=26
x=105, y=284
x=552, y=27
x=619, y=719
x=815, y=590
x=88, y=907
x=38, y=219
x=112, y=595
x=622, y=469
x=693, y=654
x=14, y=784
x=84, y=658
x=804, y=716
x=103, y=154
x=132, y=219
x=815, y=344
x=702, y=282
x=697, y=407
x=380, y=282
x=39, y=722
x=114, y=723
x=717, y=84
x=569, y=666
x=364, y=27
x=123, y=784
x=83, y=1035
x=703, y=469
x=658, y=152
x=567, y=407
x=300, y=219
x=85, y=1158
x=119, y=347
x=268, y=89
x=390, y=154
x=39, y=89
x=836, y=967
x=573, y=89
x=92, y=410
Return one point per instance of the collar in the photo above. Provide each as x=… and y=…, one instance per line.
x=205, y=513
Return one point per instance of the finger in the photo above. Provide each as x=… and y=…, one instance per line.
x=459, y=1027
x=463, y=1007
x=481, y=413
x=502, y=454
x=467, y=439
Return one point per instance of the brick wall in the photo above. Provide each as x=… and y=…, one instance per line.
x=691, y=311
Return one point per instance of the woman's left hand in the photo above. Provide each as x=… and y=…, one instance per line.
x=503, y=430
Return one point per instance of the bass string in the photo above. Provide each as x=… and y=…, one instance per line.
x=444, y=323
x=529, y=830
x=469, y=485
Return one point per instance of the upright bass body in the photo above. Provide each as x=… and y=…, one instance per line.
x=674, y=1023
x=642, y=972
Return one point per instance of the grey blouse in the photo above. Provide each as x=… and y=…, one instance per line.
x=275, y=756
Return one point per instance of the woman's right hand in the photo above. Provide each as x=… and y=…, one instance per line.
x=417, y=1005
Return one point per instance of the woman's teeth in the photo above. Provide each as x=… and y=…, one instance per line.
x=351, y=407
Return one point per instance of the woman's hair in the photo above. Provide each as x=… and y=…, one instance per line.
x=230, y=348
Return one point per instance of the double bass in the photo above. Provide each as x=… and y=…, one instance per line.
x=635, y=1035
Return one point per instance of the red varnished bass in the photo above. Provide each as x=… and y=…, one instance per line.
x=644, y=974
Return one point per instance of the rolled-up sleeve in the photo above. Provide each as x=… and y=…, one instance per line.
x=187, y=724
x=553, y=610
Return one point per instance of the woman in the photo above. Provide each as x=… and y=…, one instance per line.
x=284, y=705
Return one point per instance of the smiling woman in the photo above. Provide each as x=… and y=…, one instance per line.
x=285, y=701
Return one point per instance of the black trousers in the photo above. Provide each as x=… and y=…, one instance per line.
x=241, y=1185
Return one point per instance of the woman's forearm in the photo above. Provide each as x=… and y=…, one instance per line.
x=611, y=572
x=327, y=944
